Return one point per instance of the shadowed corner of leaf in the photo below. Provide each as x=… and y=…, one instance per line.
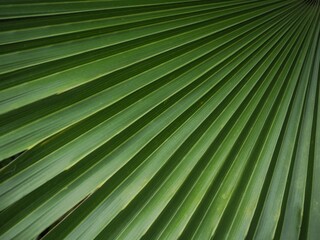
x=53, y=225
x=9, y=160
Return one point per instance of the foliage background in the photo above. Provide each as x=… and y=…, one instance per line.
x=160, y=119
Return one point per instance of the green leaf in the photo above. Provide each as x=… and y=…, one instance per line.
x=163, y=119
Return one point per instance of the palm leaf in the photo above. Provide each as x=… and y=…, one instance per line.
x=159, y=119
